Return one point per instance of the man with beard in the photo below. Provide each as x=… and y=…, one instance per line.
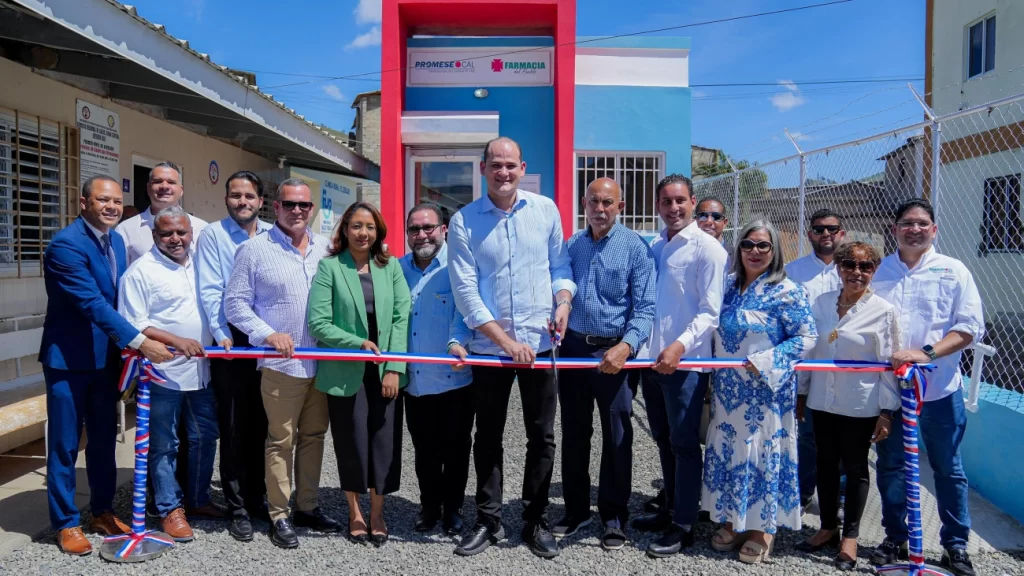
x=817, y=273
x=165, y=190
x=160, y=298
x=236, y=383
x=511, y=275
x=439, y=402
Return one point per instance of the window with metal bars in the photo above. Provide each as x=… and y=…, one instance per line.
x=1002, y=229
x=38, y=188
x=637, y=173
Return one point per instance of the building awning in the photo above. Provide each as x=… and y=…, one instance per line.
x=449, y=128
x=104, y=47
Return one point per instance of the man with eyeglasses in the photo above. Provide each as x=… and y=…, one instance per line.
x=690, y=288
x=612, y=317
x=940, y=315
x=236, y=383
x=165, y=189
x=266, y=300
x=439, y=401
x=817, y=273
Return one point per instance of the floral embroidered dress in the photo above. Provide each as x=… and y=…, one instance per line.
x=750, y=461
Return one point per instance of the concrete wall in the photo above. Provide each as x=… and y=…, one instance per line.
x=31, y=94
x=368, y=127
x=992, y=448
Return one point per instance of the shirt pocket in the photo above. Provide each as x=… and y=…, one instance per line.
x=945, y=292
x=440, y=309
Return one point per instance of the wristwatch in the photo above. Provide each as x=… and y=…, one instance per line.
x=886, y=413
x=566, y=302
x=927, y=349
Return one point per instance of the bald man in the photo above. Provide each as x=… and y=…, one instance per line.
x=611, y=318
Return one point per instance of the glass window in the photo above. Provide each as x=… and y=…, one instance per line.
x=981, y=47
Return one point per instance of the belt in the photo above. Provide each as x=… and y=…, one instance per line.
x=599, y=341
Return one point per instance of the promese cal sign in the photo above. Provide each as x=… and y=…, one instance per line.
x=479, y=67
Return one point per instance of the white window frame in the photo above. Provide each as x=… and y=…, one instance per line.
x=984, y=45
x=619, y=156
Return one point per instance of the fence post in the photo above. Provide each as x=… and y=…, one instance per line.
x=936, y=170
x=736, y=207
x=802, y=221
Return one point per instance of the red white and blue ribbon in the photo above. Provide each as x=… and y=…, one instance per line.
x=913, y=386
x=137, y=366
x=328, y=354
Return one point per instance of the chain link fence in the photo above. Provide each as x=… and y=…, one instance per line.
x=976, y=191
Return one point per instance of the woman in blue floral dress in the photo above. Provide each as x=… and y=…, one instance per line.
x=750, y=461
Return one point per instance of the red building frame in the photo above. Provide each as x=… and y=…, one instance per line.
x=404, y=18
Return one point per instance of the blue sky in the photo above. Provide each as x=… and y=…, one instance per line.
x=860, y=39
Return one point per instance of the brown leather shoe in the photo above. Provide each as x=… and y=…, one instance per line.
x=107, y=523
x=73, y=541
x=211, y=510
x=175, y=526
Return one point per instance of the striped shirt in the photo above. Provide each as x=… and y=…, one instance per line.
x=616, y=284
x=268, y=292
x=506, y=267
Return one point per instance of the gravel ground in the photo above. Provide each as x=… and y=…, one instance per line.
x=215, y=552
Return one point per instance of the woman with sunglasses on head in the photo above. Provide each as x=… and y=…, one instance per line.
x=851, y=410
x=750, y=463
x=360, y=300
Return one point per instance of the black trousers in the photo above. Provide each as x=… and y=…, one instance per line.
x=243, y=429
x=613, y=395
x=491, y=390
x=842, y=441
x=441, y=428
x=367, y=432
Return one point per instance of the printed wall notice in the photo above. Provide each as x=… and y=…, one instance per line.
x=99, y=134
x=480, y=67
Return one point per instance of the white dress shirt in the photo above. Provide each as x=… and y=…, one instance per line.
x=137, y=232
x=936, y=297
x=815, y=276
x=691, y=285
x=869, y=331
x=157, y=292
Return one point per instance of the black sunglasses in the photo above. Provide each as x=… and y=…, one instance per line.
x=429, y=229
x=290, y=205
x=865, y=266
x=762, y=247
x=832, y=229
x=716, y=216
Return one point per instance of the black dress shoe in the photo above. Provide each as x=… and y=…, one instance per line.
x=888, y=552
x=539, y=540
x=316, y=520
x=480, y=539
x=655, y=504
x=844, y=563
x=569, y=525
x=671, y=542
x=957, y=561
x=425, y=521
x=806, y=546
x=452, y=523
x=652, y=522
x=240, y=529
x=282, y=534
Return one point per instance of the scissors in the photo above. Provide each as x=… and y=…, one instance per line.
x=556, y=341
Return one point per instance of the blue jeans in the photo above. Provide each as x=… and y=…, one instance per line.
x=199, y=409
x=806, y=456
x=675, y=404
x=941, y=427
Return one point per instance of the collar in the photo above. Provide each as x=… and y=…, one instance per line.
x=163, y=259
x=95, y=231
x=522, y=199
x=277, y=235
x=925, y=258
x=819, y=261
x=233, y=228
x=590, y=233
x=440, y=260
x=686, y=233
x=146, y=217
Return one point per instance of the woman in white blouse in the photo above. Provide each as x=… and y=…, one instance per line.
x=852, y=410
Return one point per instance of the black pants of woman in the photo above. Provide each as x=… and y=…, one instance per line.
x=846, y=441
x=367, y=432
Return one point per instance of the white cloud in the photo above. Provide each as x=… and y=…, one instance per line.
x=800, y=136
x=786, y=101
x=368, y=12
x=371, y=38
x=334, y=92
x=195, y=9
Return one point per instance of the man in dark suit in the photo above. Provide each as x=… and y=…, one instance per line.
x=82, y=338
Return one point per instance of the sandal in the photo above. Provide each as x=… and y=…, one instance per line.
x=754, y=553
x=724, y=540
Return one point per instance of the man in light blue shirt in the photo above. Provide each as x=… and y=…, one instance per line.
x=510, y=275
x=236, y=383
x=439, y=402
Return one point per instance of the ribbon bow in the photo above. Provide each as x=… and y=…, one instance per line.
x=137, y=365
x=911, y=377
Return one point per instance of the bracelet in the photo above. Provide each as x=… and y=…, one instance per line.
x=448, y=350
x=566, y=302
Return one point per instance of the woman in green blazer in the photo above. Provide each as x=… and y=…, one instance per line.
x=360, y=300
